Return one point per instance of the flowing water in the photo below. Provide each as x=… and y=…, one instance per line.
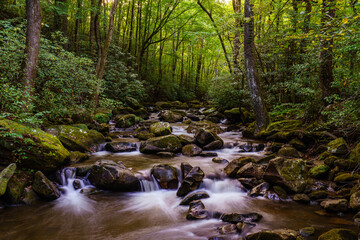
x=154, y=214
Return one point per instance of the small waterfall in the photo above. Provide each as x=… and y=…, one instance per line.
x=149, y=185
x=72, y=199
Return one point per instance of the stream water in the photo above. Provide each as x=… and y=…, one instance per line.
x=155, y=214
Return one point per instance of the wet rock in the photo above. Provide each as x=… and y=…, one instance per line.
x=191, y=150
x=246, y=147
x=280, y=192
x=120, y=147
x=335, y=205
x=307, y=231
x=191, y=182
x=30, y=197
x=249, y=170
x=76, y=157
x=297, y=144
x=195, y=126
x=205, y=137
x=43, y=151
x=166, y=176
x=185, y=139
x=5, y=176
x=338, y=234
x=83, y=170
x=165, y=154
x=160, y=129
x=249, y=183
x=185, y=169
x=319, y=194
x=235, y=115
x=266, y=159
x=76, y=139
x=228, y=229
x=171, y=116
x=280, y=234
x=197, y=211
x=338, y=147
x=44, y=187
x=346, y=177
x=193, y=117
x=233, y=167
x=16, y=186
x=77, y=184
x=289, y=152
x=169, y=143
x=288, y=173
x=260, y=190
x=355, y=201
x=194, y=196
x=109, y=175
x=301, y=198
x=219, y=160
x=237, y=217
x=126, y=121
x=217, y=144
x=319, y=171
x=208, y=154
x=258, y=147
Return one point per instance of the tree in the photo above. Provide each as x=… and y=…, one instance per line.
x=261, y=114
x=32, y=48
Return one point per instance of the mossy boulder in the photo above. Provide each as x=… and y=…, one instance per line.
x=285, y=125
x=208, y=139
x=290, y=174
x=123, y=111
x=109, y=175
x=319, y=171
x=30, y=147
x=355, y=201
x=16, y=186
x=5, y=176
x=191, y=150
x=76, y=139
x=195, y=126
x=338, y=234
x=160, y=129
x=133, y=103
x=102, y=118
x=163, y=105
x=299, y=145
x=46, y=189
x=144, y=135
x=335, y=205
x=346, y=177
x=288, y=151
x=169, y=143
x=279, y=234
x=338, y=147
x=142, y=113
x=126, y=121
x=355, y=154
x=186, y=139
x=171, y=116
x=76, y=157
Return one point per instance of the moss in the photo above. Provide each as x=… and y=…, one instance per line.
x=346, y=177
x=319, y=171
x=81, y=126
x=126, y=121
x=285, y=125
x=5, y=176
x=169, y=143
x=194, y=126
x=31, y=147
x=293, y=170
x=143, y=135
x=338, y=147
x=16, y=186
x=338, y=234
x=355, y=153
x=160, y=128
x=102, y=118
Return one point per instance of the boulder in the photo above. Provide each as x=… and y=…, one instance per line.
x=171, y=116
x=76, y=139
x=319, y=171
x=249, y=183
x=142, y=113
x=109, y=175
x=76, y=157
x=279, y=234
x=197, y=211
x=355, y=154
x=237, y=217
x=217, y=144
x=259, y=190
x=5, y=176
x=215, y=117
x=160, y=129
x=169, y=143
x=16, y=186
x=235, y=116
x=123, y=111
x=191, y=150
x=297, y=144
x=193, y=117
x=301, y=198
x=307, y=231
x=133, y=103
x=120, y=147
x=289, y=152
x=228, y=229
x=287, y=173
x=338, y=147
x=233, y=167
x=166, y=176
x=143, y=135
x=335, y=205
x=249, y=170
x=102, y=118
x=204, y=137
x=195, y=126
x=338, y=234
x=126, y=121
x=186, y=139
x=163, y=105
x=44, y=187
x=346, y=177
x=43, y=151
x=185, y=169
x=219, y=160
x=355, y=201
x=191, y=182
x=194, y=196
x=29, y=196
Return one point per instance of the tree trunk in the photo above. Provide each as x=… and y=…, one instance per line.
x=92, y=27
x=261, y=114
x=198, y=69
x=33, y=31
x=326, y=55
x=131, y=25
x=237, y=10
x=102, y=58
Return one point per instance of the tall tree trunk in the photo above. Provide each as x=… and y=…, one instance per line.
x=77, y=26
x=60, y=20
x=32, y=48
x=131, y=25
x=326, y=55
x=102, y=58
x=261, y=114
x=92, y=27
x=237, y=10
x=198, y=69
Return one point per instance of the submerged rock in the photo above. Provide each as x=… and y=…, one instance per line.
x=160, y=129
x=109, y=175
x=197, y=211
x=5, y=176
x=166, y=176
x=120, y=147
x=338, y=234
x=44, y=187
x=169, y=143
x=43, y=151
x=191, y=182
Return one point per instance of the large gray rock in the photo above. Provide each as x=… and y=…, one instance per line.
x=287, y=173
x=191, y=182
x=233, y=167
x=5, y=176
x=160, y=129
x=205, y=137
x=44, y=187
x=169, y=143
x=109, y=175
x=166, y=176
